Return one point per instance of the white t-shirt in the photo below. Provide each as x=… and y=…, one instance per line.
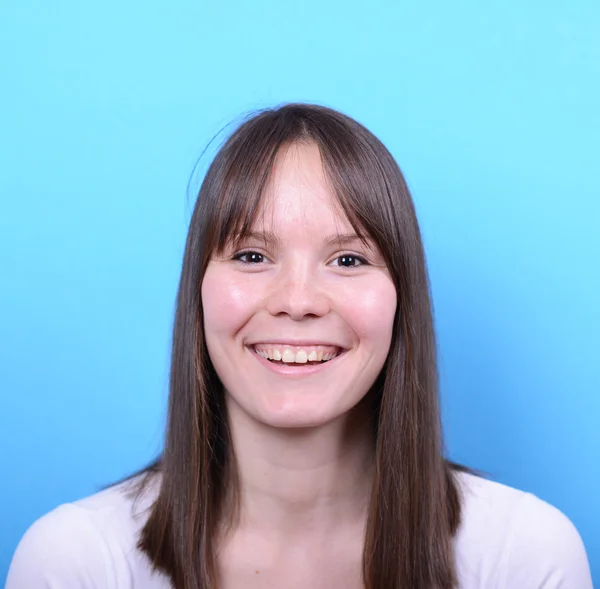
x=508, y=539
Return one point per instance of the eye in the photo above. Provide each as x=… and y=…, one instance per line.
x=249, y=257
x=349, y=261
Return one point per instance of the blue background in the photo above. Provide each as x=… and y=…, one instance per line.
x=492, y=110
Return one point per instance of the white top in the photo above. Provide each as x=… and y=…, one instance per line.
x=508, y=539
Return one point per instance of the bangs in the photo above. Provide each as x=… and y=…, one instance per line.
x=365, y=180
x=239, y=205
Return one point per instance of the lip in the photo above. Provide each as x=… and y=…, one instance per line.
x=297, y=370
x=295, y=343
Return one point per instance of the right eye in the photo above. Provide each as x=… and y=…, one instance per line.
x=249, y=257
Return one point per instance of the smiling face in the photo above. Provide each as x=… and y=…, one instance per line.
x=298, y=316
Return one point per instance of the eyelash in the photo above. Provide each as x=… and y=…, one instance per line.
x=238, y=257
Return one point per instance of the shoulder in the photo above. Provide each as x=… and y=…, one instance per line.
x=509, y=538
x=89, y=544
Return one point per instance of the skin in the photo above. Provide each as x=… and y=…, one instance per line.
x=301, y=440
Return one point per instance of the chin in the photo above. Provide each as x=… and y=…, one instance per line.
x=295, y=415
x=286, y=413
x=296, y=421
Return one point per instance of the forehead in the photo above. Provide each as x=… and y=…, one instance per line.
x=298, y=196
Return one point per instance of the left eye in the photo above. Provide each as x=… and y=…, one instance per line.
x=349, y=261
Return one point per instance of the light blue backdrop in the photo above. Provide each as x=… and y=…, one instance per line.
x=492, y=110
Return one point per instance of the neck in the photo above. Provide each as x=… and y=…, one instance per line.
x=304, y=480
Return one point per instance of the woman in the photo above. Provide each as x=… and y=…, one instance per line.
x=303, y=446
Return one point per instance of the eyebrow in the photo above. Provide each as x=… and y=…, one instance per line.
x=338, y=238
x=347, y=238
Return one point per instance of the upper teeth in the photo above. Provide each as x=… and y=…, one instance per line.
x=298, y=356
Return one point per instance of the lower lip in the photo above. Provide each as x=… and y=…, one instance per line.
x=296, y=370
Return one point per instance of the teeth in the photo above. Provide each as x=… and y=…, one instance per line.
x=301, y=356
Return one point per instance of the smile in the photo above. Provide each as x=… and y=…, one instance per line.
x=290, y=354
x=296, y=360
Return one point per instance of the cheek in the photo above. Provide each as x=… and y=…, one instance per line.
x=370, y=309
x=227, y=302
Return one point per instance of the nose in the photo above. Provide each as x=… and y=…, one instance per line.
x=298, y=292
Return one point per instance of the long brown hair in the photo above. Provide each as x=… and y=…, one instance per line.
x=414, y=506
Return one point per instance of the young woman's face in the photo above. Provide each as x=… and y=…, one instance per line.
x=298, y=318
